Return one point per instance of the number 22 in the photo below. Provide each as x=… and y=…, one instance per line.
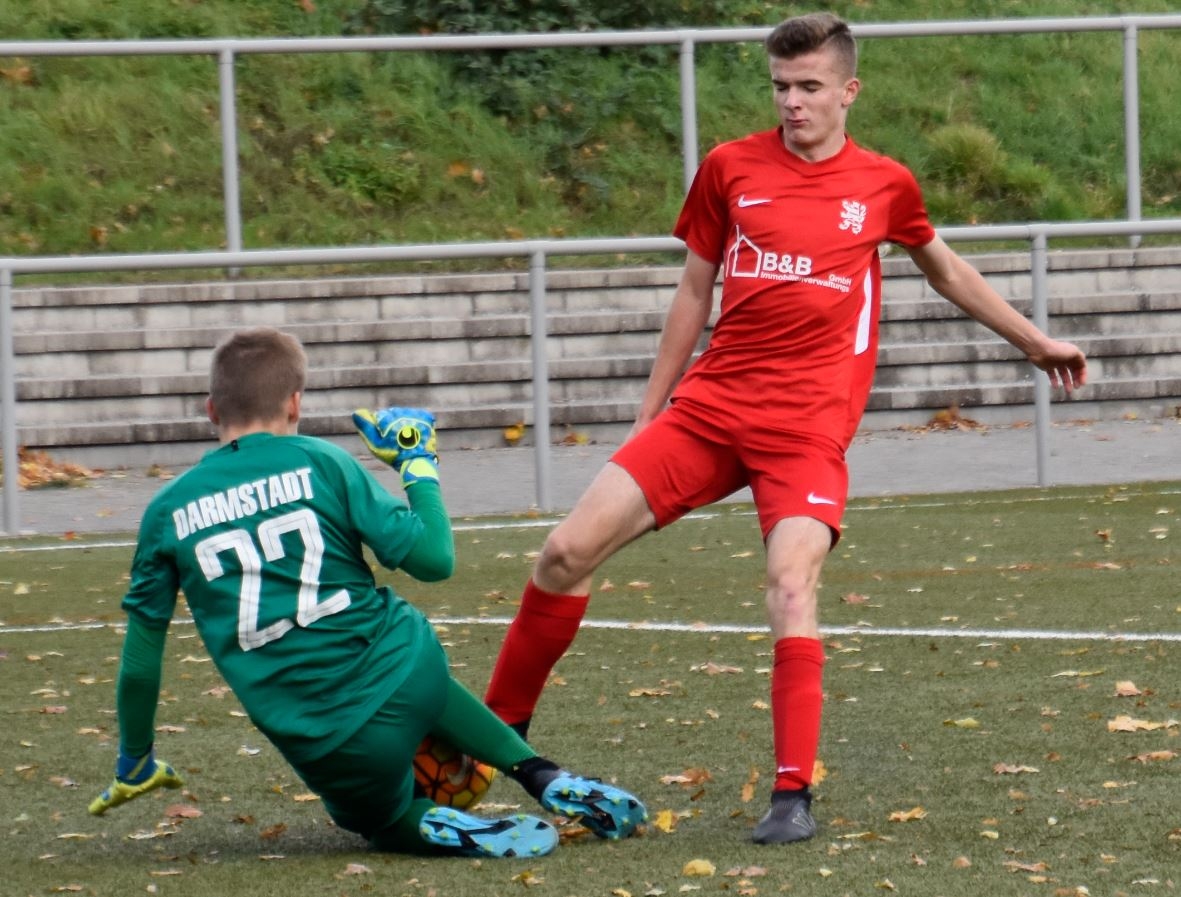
x=270, y=537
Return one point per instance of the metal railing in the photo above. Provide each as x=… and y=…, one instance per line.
x=227, y=50
x=538, y=253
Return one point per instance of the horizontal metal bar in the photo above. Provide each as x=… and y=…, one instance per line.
x=523, y=41
x=329, y=256
x=520, y=248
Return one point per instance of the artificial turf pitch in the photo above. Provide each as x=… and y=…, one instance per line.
x=1001, y=715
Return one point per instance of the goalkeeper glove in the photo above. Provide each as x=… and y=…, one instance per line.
x=135, y=776
x=403, y=438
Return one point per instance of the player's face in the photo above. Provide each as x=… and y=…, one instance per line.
x=812, y=97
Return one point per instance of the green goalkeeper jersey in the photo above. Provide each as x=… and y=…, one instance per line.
x=264, y=538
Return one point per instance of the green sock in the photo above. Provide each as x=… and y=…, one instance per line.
x=467, y=723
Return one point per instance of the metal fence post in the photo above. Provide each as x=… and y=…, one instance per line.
x=1132, y=126
x=8, y=448
x=688, y=112
x=1041, y=383
x=229, y=150
x=537, y=341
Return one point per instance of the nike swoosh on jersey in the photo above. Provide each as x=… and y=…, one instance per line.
x=814, y=499
x=743, y=202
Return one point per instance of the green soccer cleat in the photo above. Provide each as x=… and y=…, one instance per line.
x=607, y=811
x=121, y=791
x=512, y=836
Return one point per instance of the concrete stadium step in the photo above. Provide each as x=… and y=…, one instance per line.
x=903, y=363
x=110, y=375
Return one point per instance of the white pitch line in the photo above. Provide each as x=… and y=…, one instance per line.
x=741, y=629
x=898, y=631
x=890, y=503
x=64, y=546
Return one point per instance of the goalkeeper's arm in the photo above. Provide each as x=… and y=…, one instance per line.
x=404, y=438
x=432, y=557
x=137, y=692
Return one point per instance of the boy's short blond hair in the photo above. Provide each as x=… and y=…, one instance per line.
x=253, y=374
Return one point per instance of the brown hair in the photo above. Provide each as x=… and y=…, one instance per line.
x=806, y=34
x=253, y=373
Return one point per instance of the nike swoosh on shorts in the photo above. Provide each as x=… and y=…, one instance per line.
x=814, y=499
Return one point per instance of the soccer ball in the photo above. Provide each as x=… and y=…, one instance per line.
x=450, y=778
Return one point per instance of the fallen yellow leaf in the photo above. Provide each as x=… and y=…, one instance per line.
x=908, y=815
x=965, y=723
x=666, y=821
x=694, y=775
x=1125, y=723
x=1154, y=755
x=1012, y=769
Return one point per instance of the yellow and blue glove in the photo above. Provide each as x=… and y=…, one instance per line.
x=403, y=438
x=135, y=776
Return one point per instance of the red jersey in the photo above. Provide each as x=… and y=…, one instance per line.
x=795, y=344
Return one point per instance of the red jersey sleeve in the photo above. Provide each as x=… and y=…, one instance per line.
x=909, y=224
x=704, y=223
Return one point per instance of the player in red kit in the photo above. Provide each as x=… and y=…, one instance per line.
x=793, y=218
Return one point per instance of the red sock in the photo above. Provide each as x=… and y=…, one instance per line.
x=796, y=696
x=542, y=631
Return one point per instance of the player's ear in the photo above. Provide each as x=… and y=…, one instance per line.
x=210, y=411
x=293, y=407
x=852, y=88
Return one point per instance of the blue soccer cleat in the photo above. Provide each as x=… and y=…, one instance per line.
x=519, y=835
x=607, y=811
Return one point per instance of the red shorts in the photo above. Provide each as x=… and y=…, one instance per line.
x=685, y=460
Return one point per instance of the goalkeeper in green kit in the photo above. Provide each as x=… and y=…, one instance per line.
x=264, y=536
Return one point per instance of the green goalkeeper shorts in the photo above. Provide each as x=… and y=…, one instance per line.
x=367, y=784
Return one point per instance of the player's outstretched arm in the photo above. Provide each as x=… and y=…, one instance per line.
x=137, y=692
x=1063, y=362
x=135, y=776
x=956, y=280
x=403, y=438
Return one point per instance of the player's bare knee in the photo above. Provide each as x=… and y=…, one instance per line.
x=562, y=563
x=791, y=596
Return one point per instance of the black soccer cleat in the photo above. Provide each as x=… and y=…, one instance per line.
x=789, y=819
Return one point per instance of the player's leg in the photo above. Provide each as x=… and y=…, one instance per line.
x=611, y=513
x=796, y=550
x=367, y=784
x=468, y=724
x=801, y=498
x=673, y=465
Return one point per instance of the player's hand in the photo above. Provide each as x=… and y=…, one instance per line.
x=1064, y=363
x=403, y=438
x=135, y=776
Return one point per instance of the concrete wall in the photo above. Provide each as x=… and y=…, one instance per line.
x=116, y=375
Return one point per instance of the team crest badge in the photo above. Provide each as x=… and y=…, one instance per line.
x=852, y=215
